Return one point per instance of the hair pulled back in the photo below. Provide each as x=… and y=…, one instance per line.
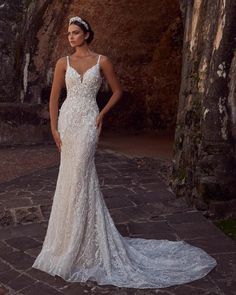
x=82, y=26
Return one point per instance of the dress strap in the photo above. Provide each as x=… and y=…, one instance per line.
x=67, y=59
x=98, y=58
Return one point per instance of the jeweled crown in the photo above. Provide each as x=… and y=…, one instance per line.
x=78, y=19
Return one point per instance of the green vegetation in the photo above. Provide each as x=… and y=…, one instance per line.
x=228, y=226
x=27, y=3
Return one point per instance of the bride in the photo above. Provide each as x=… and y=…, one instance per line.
x=82, y=242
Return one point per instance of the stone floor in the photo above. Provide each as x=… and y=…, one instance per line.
x=141, y=204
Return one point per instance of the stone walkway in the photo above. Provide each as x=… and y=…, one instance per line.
x=141, y=205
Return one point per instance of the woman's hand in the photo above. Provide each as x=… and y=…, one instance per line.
x=57, y=139
x=99, y=122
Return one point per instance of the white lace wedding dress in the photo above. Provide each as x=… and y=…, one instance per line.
x=82, y=242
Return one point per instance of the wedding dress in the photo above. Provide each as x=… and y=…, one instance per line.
x=82, y=242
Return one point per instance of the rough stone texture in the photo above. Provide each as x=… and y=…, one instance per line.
x=146, y=52
x=145, y=45
x=20, y=160
x=25, y=20
x=24, y=123
x=204, y=165
x=141, y=205
x=11, y=14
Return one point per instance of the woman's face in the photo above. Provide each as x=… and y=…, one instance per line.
x=76, y=35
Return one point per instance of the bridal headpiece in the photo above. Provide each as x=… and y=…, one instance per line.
x=79, y=19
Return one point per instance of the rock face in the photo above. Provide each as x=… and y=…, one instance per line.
x=144, y=45
x=11, y=14
x=27, y=28
x=204, y=166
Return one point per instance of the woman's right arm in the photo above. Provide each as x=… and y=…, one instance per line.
x=57, y=85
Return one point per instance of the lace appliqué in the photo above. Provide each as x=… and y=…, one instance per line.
x=82, y=242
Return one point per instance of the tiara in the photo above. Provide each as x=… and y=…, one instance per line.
x=78, y=19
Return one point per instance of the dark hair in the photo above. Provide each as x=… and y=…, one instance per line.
x=91, y=33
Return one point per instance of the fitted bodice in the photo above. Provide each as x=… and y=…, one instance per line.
x=83, y=87
x=80, y=105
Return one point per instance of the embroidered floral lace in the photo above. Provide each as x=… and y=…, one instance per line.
x=82, y=242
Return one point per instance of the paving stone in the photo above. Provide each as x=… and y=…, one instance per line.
x=4, y=249
x=118, y=202
x=159, y=235
x=17, y=202
x=116, y=191
x=40, y=289
x=6, y=218
x=125, y=215
x=4, y=267
x=77, y=288
x=46, y=201
x=196, y=230
x=47, y=278
x=123, y=229
x=187, y=289
x=117, y=181
x=22, y=243
x=19, y=260
x=186, y=217
x=35, y=251
x=7, y=276
x=149, y=228
x=206, y=285
x=30, y=214
x=154, y=187
x=23, y=193
x=32, y=230
x=46, y=210
x=141, y=206
x=156, y=209
x=20, y=282
x=224, y=274
x=136, y=190
x=8, y=195
x=149, y=198
x=215, y=244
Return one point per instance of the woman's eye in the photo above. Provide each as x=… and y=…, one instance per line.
x=73, y=33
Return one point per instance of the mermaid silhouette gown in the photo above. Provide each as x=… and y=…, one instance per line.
x=82, y=242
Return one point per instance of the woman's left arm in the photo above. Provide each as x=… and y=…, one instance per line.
x=114, y=83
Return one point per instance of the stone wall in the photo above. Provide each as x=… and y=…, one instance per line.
x=204, y=166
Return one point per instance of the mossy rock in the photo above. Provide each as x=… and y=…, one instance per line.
x=228, y=226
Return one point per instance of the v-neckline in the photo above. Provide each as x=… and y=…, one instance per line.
x=81, y=76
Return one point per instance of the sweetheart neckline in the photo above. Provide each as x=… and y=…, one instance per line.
x=82, y=76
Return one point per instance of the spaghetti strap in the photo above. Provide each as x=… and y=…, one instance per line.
x=68, y=63
x=98, y=58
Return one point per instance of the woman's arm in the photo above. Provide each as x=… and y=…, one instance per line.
x=113, y=81
x=57, y=84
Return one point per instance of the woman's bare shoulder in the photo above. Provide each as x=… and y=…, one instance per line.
x=105, y=60
x=61, y=62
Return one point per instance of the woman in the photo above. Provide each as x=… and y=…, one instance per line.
x=82, y=242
